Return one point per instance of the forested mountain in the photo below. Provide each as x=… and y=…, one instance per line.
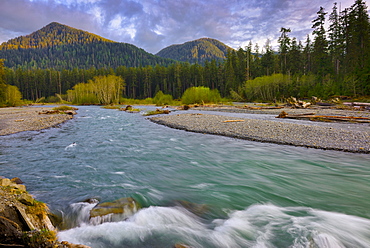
x=334, y=60
x=59, y=47
x=197, y=51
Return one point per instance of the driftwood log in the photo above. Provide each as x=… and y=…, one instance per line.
x=313, y=117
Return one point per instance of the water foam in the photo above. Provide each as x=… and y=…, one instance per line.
x=257, y=226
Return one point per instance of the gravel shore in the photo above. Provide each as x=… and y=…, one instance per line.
x=19, y=119
x=326, y=136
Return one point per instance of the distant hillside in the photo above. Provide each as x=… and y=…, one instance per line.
x=62, y=47
x=196, y=51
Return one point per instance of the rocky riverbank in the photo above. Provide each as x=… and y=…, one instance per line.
x=19, y=119
x=24, y=221
x=329, y=136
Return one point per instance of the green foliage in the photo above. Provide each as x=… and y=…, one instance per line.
x=130, y=101
x=235, y=96
x=101, y=90
x=12, y=96
x=200, y=95
x=112, y=107
x=268, y=88
x=161, y=99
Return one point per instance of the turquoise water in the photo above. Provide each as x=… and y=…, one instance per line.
x=255, y=194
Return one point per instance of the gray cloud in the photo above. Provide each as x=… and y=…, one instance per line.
x=24, y=17
x=155, y=24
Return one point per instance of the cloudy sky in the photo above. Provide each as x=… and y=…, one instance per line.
x=155, y=24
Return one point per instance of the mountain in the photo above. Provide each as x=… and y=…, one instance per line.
x=54, y=34
x=59, y=47
x=197, y=51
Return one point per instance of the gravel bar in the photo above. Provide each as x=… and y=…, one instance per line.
x=19, y=119
x=313, y=136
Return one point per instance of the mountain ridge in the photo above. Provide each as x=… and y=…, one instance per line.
x=196, y=51
x=60, y=47
x=53, y=34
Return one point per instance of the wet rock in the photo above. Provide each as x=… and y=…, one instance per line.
x=10, y=231
x=181, y=246
x=26, y=199
x=16, y=180
x=91, y=200
x=197, y=209
x=127, y=108
x=69, y=245
x=19, y=187
x=5, y=182
x=115, y=210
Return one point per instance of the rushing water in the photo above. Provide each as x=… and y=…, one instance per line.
x=252, y=194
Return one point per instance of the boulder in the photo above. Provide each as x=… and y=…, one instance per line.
x=114, y=211
x=5, y=182
x=17, y=180
x=26, y=199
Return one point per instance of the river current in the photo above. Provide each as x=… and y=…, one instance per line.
x=251, y=194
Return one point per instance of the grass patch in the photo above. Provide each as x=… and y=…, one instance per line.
x=64, y=108
x=38, y=208
x=111, y=107
x=40, y=238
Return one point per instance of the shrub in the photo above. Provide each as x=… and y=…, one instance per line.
x=161, y=99
x=200, y=95
x=267, y=88
x=12, y=96
x=100, y=90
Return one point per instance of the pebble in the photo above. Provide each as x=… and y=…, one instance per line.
x=30, y=118
x=313, y=136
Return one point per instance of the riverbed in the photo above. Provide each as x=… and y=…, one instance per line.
x=255, y=194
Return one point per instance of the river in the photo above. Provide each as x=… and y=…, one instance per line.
x=251, y=194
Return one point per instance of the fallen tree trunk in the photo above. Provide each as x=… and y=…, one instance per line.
x=258, y=108
x=313, y=117
x=357, y=104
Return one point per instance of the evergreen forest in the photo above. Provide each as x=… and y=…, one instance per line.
x=197, y=51
x=334, y=60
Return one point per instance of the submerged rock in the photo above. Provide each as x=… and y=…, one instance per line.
x=181, y=246
x=114, y=211
x=197, y=209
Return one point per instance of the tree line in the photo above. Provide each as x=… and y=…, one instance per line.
x=332, y=62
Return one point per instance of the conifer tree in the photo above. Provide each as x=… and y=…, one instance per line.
x=336, y=39
x=284, y=47
x=320, y=46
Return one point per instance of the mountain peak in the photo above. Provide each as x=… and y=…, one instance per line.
x=53, y=34
x=196, y=51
